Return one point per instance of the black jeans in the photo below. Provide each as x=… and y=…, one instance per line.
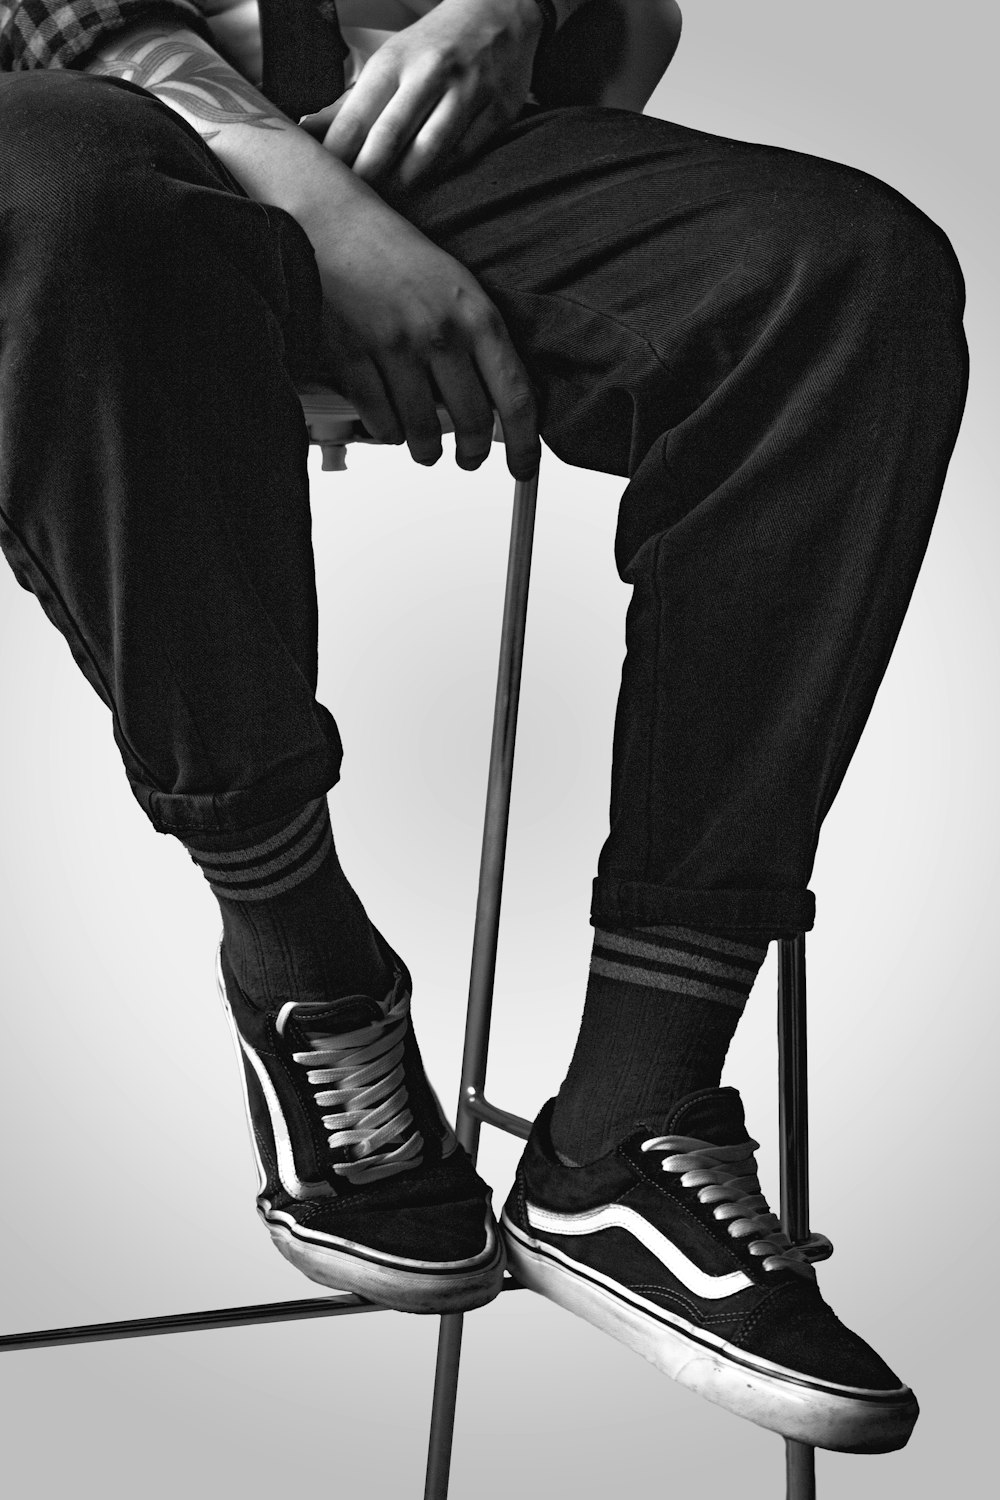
x=766, y=345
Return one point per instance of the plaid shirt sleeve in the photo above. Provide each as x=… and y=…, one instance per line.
x=62, y=33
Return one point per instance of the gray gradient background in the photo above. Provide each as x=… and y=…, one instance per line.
x=127, y=1175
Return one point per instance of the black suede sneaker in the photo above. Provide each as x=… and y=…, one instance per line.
x=363, y=1185
x=667, y=1243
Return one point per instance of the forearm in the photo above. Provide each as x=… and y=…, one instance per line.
x=268, y=154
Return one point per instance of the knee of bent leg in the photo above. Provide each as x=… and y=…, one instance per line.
x=67, y=142
x=906, y=251
x=856, y=229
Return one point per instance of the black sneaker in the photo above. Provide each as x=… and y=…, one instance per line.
x=363, y=1186
x=667, y=1243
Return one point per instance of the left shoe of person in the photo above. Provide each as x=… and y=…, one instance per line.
x=362, y=1183
x=667, y=1243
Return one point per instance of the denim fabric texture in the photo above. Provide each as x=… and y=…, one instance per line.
x=765, y=346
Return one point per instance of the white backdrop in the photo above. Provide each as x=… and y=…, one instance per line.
x=128, y=1187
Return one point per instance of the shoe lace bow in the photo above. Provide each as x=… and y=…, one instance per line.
x=372, y=1118
x=726, y=1178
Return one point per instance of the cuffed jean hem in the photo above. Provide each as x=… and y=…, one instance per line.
x=182, y=813
x=631, y=904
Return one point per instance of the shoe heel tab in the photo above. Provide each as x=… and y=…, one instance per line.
x=540, y=1139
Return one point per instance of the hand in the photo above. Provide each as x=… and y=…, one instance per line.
x=443, y=88
x=406, y=327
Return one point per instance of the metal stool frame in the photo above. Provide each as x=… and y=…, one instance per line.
x=333, y=424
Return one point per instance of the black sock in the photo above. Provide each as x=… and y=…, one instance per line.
x=661, y=1009
x=293, y=927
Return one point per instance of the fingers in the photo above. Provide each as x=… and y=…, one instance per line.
x=506, y=380
x=468, y=405
x=439, y=340
x=388, y=137
x=449, y=132
x=382, y=114
x=409, y=122
x=398, y=400
x=319, y=122
x=365, y=387
x=414, y=402
x=471, y=384
x=361, y=107
x=469, y=394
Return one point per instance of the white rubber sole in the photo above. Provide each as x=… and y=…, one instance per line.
x=398, y=1284
x=820, y=1414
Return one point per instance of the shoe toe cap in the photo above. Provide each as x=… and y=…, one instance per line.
x=797, y=1329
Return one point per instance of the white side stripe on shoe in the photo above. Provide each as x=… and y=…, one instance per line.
x=614, y=1216
x=287, y=1171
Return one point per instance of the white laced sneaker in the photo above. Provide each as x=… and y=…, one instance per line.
x=668, y=1244
x=362, y=1184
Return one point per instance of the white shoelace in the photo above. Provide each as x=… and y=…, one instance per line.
x=369, y=1093
x=726, y=1176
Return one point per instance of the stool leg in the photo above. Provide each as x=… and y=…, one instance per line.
x=800, y=1471
x=484, y=943
x=443, y=1407
x=793, y=1131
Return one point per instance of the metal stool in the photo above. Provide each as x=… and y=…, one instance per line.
x=333, y=424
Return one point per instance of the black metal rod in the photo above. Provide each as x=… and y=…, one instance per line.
x=793, y=1099
x=800, y=1471
x=478, y=1105
x=443, y=1407
x=793, y=1132
x=487, y=928
x=469, y=1117
x=223, y=1317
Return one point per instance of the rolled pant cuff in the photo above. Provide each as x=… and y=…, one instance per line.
x=630, y=904
x=229, y=812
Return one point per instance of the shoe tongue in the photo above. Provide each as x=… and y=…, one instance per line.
x=333, y=1017
x=713, y=1115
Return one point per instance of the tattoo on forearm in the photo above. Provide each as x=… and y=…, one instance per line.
x=198, y=82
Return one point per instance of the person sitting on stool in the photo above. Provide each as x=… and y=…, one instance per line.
x=767, y=346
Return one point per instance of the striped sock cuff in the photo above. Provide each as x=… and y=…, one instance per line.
x=283, y=860
x=703, y=965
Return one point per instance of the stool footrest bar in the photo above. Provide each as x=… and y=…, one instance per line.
x=816, y=1247
x=478, y=1105
x=223, y=1317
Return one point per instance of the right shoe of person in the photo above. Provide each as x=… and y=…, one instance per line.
x=667, y=1244
x=363, y=1186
